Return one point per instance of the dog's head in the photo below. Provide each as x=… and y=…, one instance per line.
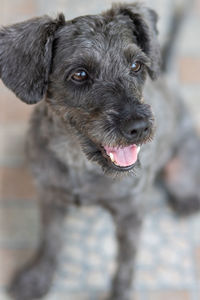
x=91, y=71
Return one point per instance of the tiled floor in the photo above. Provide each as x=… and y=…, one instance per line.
x=168, y=263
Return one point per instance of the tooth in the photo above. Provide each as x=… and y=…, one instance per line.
x=111, y=157
x=138, y=149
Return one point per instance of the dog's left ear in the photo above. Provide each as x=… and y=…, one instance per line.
x=144, y=26
x=26, y=54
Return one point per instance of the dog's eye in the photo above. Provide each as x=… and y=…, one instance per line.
x=80, y=76
x=136, y=66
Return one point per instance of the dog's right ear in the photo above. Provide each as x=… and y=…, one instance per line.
x=26, y=54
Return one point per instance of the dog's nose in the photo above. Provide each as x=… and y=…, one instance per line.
x=135, y=129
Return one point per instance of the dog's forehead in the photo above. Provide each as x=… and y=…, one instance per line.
x=98, y=32
x=96, y=42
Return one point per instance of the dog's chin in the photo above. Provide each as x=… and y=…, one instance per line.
x=113, y=160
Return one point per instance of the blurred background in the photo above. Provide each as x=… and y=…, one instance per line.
x=168, y=262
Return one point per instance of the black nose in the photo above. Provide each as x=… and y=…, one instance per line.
x=135, y=129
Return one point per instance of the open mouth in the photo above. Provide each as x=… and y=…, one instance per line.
x=123, y=158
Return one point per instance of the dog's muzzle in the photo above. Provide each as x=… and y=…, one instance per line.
x=135, y=129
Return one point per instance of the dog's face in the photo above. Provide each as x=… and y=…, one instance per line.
x=93, y=76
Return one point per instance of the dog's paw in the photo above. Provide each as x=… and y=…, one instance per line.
x=185, y=206
x=121, y=296
x=31, y=283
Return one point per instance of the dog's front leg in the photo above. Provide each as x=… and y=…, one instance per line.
x=35, y=279
x=128, y=227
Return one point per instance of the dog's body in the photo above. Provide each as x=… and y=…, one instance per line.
x=92, y=72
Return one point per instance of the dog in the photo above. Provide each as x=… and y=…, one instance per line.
x=106, y=127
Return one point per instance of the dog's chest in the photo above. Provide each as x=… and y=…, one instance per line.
x=87, y=182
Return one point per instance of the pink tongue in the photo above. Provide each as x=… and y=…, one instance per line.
x=123, y=157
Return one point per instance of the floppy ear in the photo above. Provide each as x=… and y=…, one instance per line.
x=25, y=56
x=144, y=25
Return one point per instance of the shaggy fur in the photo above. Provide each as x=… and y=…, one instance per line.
x=113, y=106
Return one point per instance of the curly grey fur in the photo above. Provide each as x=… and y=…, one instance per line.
x=70, y=125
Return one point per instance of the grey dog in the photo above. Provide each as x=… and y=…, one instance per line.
x=103, y=132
